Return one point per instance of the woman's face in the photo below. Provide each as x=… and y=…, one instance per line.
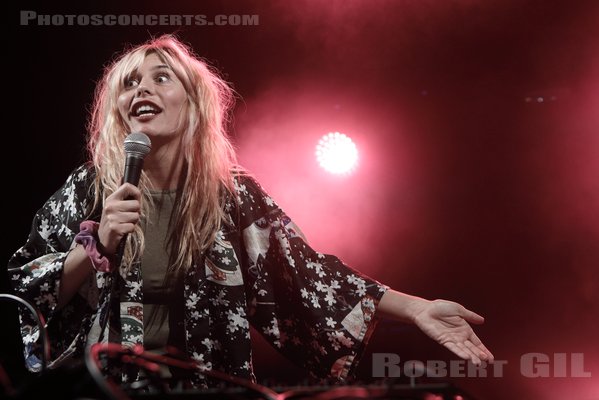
x=153, y=99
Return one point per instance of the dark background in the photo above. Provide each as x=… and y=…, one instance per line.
x=477, y=124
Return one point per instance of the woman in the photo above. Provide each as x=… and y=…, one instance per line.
x=207, y=250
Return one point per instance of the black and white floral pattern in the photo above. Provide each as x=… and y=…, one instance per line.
x=311, y=307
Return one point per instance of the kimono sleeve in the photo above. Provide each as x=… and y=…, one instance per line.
x=35, y=269
x=317, y=311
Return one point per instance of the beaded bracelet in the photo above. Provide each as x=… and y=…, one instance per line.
x=88, y=238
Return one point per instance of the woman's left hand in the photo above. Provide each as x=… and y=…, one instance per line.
x=447, y=323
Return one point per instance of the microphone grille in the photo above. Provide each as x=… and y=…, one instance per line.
x=138, y=142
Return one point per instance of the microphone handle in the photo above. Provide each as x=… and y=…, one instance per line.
x=133, y=166
x=120, y=251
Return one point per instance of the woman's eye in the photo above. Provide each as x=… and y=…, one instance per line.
x=131, y=82
x=162, y=78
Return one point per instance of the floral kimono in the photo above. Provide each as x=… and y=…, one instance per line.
x=315, y=310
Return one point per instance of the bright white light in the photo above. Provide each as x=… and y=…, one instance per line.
x=337, y=153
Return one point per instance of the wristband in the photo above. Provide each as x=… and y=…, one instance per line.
x=88, y=238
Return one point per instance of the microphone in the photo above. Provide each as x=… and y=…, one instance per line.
x=137, y=146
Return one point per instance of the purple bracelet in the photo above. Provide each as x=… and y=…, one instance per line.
x=88, y=238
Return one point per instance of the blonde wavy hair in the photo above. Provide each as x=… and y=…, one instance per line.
x=208, y=153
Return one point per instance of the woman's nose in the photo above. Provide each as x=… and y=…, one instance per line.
x=142, y=89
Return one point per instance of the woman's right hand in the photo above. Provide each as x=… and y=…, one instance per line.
x=122, y=210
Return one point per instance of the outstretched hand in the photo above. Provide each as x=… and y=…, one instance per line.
x=447, y=323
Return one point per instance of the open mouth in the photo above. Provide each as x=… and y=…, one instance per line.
x=145, y=109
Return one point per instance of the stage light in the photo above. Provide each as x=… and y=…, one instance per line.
x=337, y=153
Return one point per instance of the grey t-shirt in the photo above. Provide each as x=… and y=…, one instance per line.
x=160, y=300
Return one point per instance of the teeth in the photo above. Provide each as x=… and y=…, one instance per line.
x=146, y=109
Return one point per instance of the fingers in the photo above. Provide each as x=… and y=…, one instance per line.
x=475, y=346
x=113, y=206
x=479, y=347
x=115, y=220
x=477, y=351
x=469, y=350
x=458, y=350
x=474, y=343
x=127, y=198
x=120, y=214
x=471, y=316
x=458, y=335
x=126, y=191
x=113, y=227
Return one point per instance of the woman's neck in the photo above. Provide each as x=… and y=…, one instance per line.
x=164, y=164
